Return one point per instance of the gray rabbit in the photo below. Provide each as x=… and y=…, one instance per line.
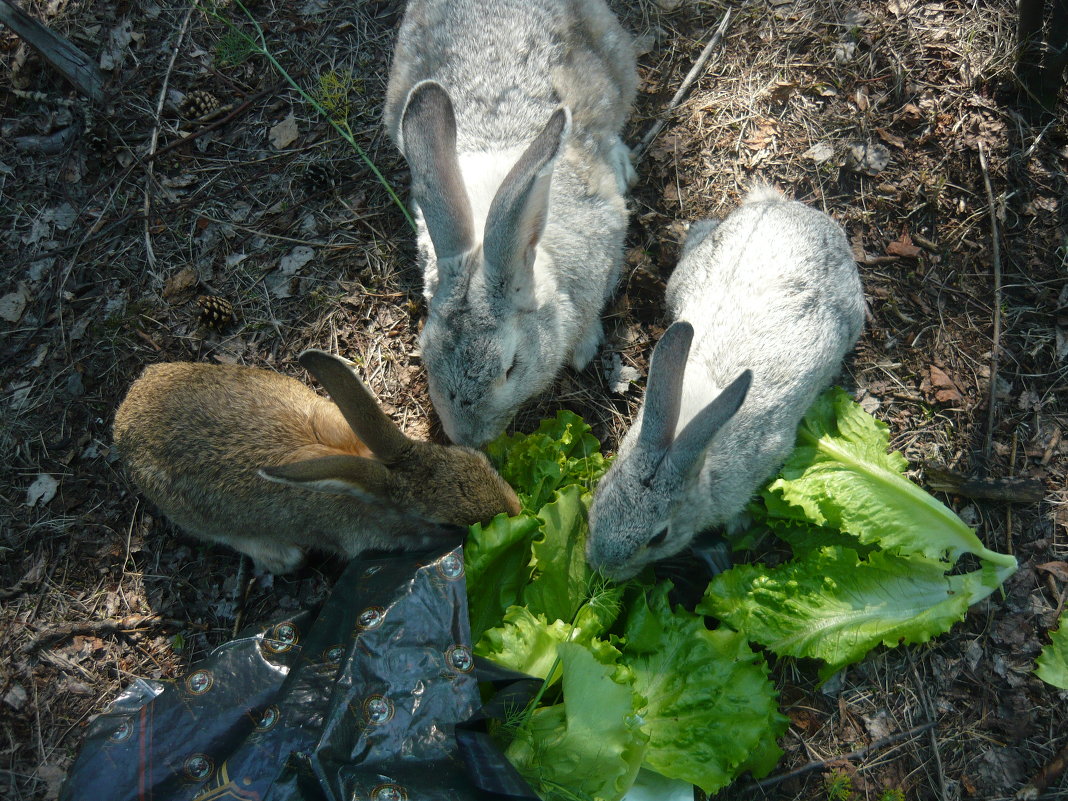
x=257, y=461
x=767, y=305
x=509, y=114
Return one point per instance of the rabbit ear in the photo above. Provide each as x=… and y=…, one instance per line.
x=689, y=447
x=663, y=394
x=520, y=208
x=428, y=140
x=358, y=405
x=366, y=479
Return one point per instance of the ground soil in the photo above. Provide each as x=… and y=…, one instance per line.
x=105, y=251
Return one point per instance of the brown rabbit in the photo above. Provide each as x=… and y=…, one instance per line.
x=200, y=440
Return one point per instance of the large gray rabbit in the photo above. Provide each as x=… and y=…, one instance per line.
x=768, y=303
x=258, y=461
x=509, y=114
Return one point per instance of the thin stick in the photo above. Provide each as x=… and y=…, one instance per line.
x=242, y=588
x=928, y=711
x=71, y=62
x=823, y=763
x=149, y=165
x=995, y=353
x=98, y=628
x=691, y=76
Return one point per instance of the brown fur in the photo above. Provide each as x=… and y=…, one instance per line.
x=194, y=437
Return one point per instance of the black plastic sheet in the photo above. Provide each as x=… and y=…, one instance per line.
x=358, y=700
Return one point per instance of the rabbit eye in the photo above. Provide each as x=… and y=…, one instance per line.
x=660, y=537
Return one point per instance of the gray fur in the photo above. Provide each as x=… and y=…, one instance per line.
x=773, y=289
x=506, y=317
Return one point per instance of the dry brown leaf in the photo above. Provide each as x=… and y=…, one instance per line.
x=1057, y=569
x=782, y=90
x=762, y=136
x=911, y=113
x=284, y=133
x=903, y=247
x=13, y=304
x=939, y=378
x=946, y=390
x=180, y=284
x=890, y=139
x=948, y=396
x=667, y=147
x=899, y=8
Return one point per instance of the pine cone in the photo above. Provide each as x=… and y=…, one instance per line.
x=320, y=175
x=97, y=139
x=215, y=313
x=198, y=104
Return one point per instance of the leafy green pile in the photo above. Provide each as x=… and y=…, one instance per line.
x=632, y=684
x=886, y=577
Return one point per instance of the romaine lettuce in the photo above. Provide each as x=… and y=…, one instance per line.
x=835, y=606
x=1052, y=663
x=841, y=476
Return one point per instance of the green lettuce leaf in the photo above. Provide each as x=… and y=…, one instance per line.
x=841, y=476
x=525, y=642
x=496, y=560
x=835, y=606
x=561, y=579
x=561, y=452
x=562, y=586
x=1052, y=663
x=710, y=710
x=590, y=746
x=528, y=643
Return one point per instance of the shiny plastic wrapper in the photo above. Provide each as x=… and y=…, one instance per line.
x=374, y=696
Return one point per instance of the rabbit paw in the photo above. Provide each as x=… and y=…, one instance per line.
x=273, y=558
x=587, y=345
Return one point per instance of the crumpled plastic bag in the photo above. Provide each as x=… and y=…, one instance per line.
x=373, y=696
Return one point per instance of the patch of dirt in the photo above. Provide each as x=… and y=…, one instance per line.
x=872, y=111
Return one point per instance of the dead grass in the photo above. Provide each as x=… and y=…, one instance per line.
x=792, y=87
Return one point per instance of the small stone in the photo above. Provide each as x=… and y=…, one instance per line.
x=16, y=697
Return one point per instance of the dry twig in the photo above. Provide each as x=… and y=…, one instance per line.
x=98, y=628
x=928, y=711
x=822, y=764
x=151, y=254
x=691, y=76
x=71, y=62
x=994, y=353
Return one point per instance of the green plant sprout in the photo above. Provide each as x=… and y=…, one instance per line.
x=258, y=44
x=839, y=786
x=233, y=49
